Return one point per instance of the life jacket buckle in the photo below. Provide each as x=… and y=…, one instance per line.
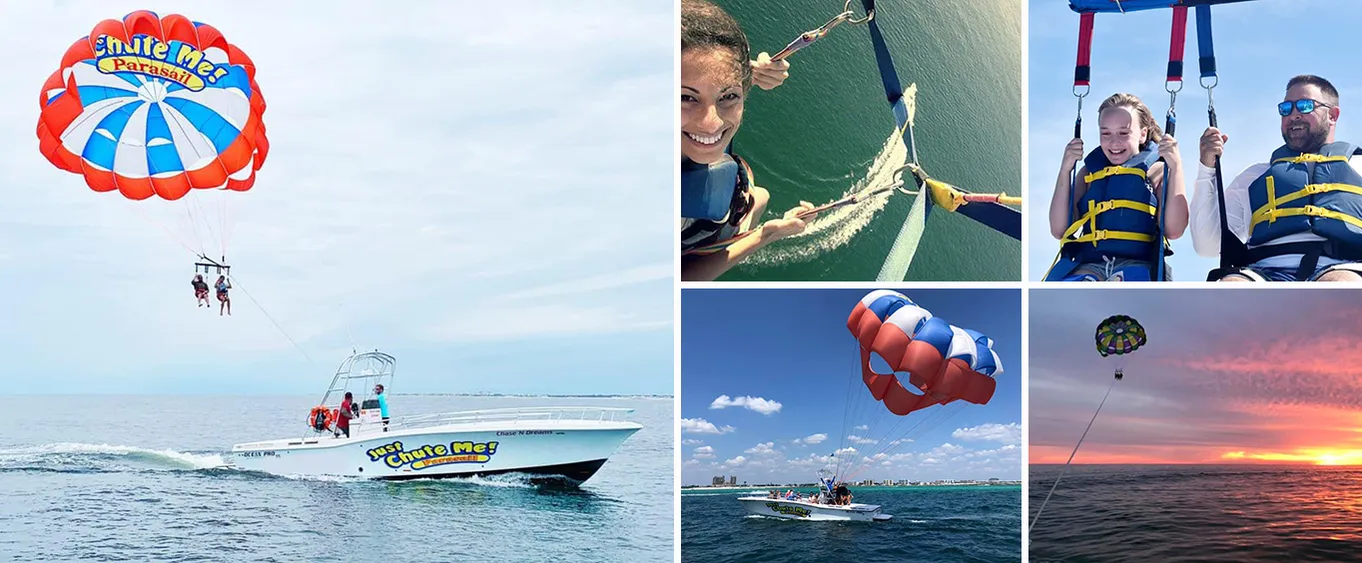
x=1098, y=235
x=1105, y=206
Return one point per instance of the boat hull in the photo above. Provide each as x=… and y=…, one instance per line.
x=572, y=451
x=798, y=510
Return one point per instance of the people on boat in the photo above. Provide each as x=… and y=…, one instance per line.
x=224, y=301
x=200, y=290
x=721, y=206
x=1299, y=214
x=843, y=494
x=382, y=404
x=1111, y=233
x=346, y=413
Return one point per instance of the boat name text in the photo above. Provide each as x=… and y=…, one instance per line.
x=394, y=455
x=524, y=432
x=790, y=510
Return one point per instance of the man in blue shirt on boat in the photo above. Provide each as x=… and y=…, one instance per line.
x=382, y=405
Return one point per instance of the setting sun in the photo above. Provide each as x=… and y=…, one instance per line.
x=1317, y=457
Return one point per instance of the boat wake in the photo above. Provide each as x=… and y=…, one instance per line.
x=68, y=457
x=835, y=228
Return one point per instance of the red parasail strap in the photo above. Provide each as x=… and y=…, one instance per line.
x=1083, y=68
x=1177, y=42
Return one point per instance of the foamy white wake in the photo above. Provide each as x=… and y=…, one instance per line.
x=835, y=228
x=65, y=452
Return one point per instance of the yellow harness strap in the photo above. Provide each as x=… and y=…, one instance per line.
x=1271, y=211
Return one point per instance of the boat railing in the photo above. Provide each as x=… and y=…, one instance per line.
x=610, y=414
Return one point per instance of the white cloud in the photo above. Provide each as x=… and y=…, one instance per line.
x=735, y=462
x=862, y=427
x=691, y=463
x=691, y=442
x=704, y=452
x=764, y=448
x=859, y=440
x=757, y=404
x=1006, y=433
x=812, y=439
x=702, y=426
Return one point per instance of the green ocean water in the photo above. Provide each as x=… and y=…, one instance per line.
x=817, y=137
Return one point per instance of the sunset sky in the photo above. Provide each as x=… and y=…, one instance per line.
x=1227, y=376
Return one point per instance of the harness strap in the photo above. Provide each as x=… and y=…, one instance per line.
x=1114, y=171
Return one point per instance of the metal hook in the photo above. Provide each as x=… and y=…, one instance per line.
x=846, y=11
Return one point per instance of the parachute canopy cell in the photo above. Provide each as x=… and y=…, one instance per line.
x=154, y=106
x=1119, y=335
x=944, y=362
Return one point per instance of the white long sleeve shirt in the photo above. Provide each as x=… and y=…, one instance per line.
x=1205, y=213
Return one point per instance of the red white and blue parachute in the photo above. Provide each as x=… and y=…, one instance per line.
x=154, y=106
x=944, y=362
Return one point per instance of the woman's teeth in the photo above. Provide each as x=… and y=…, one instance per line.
x=704, y=140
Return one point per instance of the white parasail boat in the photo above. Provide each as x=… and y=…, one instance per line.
x=818, y=507
x=553, y=442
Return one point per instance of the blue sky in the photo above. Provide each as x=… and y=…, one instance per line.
x=440, y=186
x=765, y=380
x=1258, y=47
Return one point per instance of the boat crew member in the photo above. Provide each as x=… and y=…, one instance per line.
x=200, y=290
x=1300, y=214
x=721, y=209
x=843, y=494
x=343, y=419
x=382, y=405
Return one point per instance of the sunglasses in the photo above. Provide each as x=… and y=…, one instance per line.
x=1303, y=105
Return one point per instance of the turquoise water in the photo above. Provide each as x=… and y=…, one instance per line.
x=134, y=478
x=816, y=137
x=938, y=524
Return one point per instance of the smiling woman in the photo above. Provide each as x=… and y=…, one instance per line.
x=720, y=202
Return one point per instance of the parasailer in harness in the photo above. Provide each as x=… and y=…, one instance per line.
x=200, y=290
x=720, y=205
x=1112, y=232
x=1297, y=217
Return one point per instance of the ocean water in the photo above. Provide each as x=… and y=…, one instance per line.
x=827, y=133
x=138, y=478
x=1197, y=513
x=931, y=524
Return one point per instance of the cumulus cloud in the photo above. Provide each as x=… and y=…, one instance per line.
x=757, y=404
x=1007, y=433
x=704, y=452
x=702, y=426
x=812, y=439
x=765, y=448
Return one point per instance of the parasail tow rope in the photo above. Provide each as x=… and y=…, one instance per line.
x=808, y=37
x=1071, y=458
x=238, y=285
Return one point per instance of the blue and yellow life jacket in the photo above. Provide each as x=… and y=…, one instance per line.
x=714, y=200
x=1118, y=213
x=1319, y=193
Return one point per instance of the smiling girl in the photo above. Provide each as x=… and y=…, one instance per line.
x=1114, y=234
x=721, y=206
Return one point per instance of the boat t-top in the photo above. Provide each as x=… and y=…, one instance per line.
x=555, y=442
x=822, y=505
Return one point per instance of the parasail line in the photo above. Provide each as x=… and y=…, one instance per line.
x=1071, y=458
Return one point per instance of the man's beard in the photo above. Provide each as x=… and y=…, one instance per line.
x=1312, y=141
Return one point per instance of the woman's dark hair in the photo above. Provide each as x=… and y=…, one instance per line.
x=703, y=24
